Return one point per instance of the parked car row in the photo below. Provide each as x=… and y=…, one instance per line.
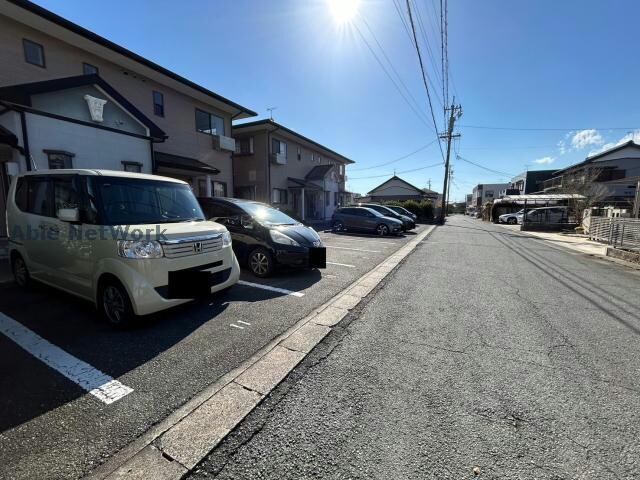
x=135, y=244
x=373, y=218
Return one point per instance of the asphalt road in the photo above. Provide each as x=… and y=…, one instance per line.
x=484, y=349
x=50, y=428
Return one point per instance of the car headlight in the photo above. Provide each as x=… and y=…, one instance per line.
x=280, y=237
x=226, y=239
x=141, y=249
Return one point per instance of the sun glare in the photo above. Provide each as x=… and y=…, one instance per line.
x=343, y=11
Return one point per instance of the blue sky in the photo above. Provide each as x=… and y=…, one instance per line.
x=568, y=64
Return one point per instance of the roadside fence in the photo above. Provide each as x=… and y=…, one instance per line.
x=617, y=232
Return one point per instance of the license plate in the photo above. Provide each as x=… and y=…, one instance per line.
x=318, y=257
x=189, y=284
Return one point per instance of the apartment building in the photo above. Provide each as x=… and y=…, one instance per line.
x=276, y=165
x=486, y=192
x=184, y=127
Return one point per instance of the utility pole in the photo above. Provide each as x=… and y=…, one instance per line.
x=449, y=189
x=455, y=113
x=429, y=183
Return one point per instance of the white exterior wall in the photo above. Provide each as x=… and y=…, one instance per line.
x=92, y=147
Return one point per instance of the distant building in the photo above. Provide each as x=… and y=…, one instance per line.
x=398, y=189
x=527, y=182
x=617, y=169
x=486, y=192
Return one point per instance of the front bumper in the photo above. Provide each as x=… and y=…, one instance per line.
x=148, y=281
x=302, y=257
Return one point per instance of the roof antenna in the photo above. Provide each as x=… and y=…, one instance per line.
x=270, y=110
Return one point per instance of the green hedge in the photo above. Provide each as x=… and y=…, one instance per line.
x=423, y=209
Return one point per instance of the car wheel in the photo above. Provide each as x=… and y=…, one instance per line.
x=20, y=271
x=512, y=221
x=261, y=263
x=338, y=226
x=115, y=305
x=382, y=230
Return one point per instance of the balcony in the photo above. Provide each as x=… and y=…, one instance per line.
x=552, y=183
x=278, y=158
x=220, y=142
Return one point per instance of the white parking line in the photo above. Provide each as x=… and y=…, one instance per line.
x=98, y=384
x=244, y=323
x=236, y=326
x=350, y=240
x=354, y=249
x=272, y=289
x=341, y=264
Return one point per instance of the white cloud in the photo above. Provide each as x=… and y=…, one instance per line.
x=584, y=138
x=544, y=160
x=635, y=136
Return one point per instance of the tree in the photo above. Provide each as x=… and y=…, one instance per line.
x=589, y=192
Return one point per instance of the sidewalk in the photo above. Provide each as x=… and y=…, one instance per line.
x=575, y=242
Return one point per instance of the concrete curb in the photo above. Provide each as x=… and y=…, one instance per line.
x=170, y=449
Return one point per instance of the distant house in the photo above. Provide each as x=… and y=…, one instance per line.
x=486, y=192
x=398, y=189
x=617, y=170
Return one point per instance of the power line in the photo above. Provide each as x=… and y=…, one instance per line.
x=431, y=56
x=395, y=173
x=397, y=159
x=498, y=172
x=424, y=77
x=418, y=113
x=486, y=127
x=384, y=53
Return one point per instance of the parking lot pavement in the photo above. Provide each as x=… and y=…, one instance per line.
x=52, y=427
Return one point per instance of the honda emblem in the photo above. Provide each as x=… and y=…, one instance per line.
x=197, y=247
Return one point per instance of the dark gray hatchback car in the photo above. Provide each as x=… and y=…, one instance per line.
x=364, y=220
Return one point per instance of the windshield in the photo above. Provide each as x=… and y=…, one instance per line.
x=375, y=212
x=268, y=215
x=133, y=201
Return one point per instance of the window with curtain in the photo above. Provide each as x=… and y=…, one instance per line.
x=209, y=123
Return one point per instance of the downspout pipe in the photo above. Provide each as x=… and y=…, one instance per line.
x=25, y=141
x=269, y=132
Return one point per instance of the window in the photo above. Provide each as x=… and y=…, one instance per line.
x=59, y=159
x=327, y=198
x=244, y=146
x=279, y=196
x=299, y=154
x=135, y=167
x=202, y=187
x=33, y=53
x=335, y=199
x=488, y=194
x=38, y=196
x=158, y=104
x=209, y=123
x=278, y=147
x=21, y=194
x=219, y=189
x=88, y=69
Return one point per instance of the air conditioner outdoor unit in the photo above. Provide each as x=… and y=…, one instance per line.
x=278, y=158
x=220, y=142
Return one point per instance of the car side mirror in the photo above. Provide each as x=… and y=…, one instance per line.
x=70, y=215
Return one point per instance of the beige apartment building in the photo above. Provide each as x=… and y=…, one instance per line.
x=186, y=128
x=276, y=165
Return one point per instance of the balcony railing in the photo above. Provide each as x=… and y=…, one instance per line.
x=555, y=182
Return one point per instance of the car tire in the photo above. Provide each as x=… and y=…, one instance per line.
x=382, y=230
x=338, y=226
x=114, y=304
x=20, y=271
x=260, y=262
x=512, y=221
